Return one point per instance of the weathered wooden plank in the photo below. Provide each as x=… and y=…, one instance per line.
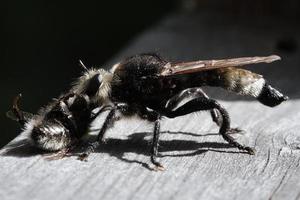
x=200, y=165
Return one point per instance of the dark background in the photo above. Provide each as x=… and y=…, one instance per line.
x=43, y=40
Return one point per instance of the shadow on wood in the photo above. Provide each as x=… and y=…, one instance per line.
x=136, y=143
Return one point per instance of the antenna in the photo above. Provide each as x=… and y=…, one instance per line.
x=82, y=65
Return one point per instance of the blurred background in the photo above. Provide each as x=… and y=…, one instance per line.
x=42, y=40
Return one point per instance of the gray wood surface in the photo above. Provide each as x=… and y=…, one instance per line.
x=199, y=163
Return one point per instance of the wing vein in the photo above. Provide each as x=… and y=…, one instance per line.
x=203, y=65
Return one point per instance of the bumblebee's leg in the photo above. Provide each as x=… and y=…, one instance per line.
x=202, y=103
x=16, y=113
x=65, y=152
x=196, y=93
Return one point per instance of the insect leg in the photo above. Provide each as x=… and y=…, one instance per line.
x=16, y=110
x=59, y=154
x=188, y=93
x=218, y=119
x=155, y=145
x=193, y=93
x=203, y=103
x=152, y=116
x=64, y=152
x=196, y=93
x=109, y=120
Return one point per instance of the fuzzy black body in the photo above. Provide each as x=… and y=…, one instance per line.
x=140, y=82
x=153, y=87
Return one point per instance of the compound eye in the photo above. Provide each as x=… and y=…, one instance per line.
x=93, y=85
x=100, y=79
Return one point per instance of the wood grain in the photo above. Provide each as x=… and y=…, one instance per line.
x=200, y=164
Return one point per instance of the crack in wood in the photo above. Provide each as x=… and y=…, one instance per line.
x=280, y=182
x=267, y=162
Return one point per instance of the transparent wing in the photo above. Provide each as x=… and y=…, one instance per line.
x=203, y=65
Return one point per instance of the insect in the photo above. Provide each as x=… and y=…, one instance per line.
x=152, y=88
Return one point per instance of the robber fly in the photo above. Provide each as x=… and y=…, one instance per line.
x=151, y=87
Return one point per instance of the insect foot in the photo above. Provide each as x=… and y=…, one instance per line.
x=83, y=157
x=250, y=150
x=159, y=168
x=235, y=131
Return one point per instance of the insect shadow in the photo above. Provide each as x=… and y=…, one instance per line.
x=135, y=143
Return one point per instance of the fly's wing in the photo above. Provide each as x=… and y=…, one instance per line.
x=204, y=65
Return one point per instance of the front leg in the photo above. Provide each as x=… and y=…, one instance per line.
x=109, y=120
x=108, y=123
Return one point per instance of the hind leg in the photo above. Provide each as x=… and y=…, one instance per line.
x=192, y=93
x=205, y=103
x=195, y=93
x=217, y=118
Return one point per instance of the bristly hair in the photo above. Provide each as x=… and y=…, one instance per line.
x=104, y=90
